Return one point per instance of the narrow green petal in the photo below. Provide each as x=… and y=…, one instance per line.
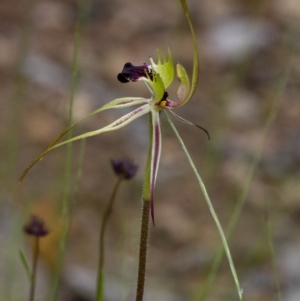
x=121, y=103
x=195, y=75
x=121, y=122
x=211, y=208
x=190, y=123
x=114, y=104
x=165, y=67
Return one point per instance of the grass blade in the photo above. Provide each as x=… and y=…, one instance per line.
x=26, y=265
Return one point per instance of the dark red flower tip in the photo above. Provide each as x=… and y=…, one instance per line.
x=131, y=73
x=124, y=168
x=36, y=227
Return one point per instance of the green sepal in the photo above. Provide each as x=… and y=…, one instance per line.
x=183, y=91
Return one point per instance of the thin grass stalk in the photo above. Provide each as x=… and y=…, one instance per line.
x=67, y=177
x=272, y=252
x=106, y=215
x=78, y=178
x=10, y=145
x=25, y=264
x=35, y=256
x=240, y=203
x=8, y=149
x=211, y=209
x=123, y=248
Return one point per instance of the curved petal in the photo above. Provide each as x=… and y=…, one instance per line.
x=114, y=104
x=211, y=209
x=119, y=123
x=121, y=103
x=165, y=67
x=195, y=75
x=190, y=123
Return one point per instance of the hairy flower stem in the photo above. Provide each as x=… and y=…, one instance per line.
x=35, y=256
x=143, y=251
x=106, y=215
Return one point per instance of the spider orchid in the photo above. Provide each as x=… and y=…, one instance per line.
x=157, y=77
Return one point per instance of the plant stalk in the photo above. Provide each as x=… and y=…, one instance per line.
x=106, y=215
x=143, y=250
x=35, y=256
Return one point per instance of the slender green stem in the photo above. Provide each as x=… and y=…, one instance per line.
x=78, y=178
x=211, y=208
x=11, y=140
x=273, y=257
x=9, y=144
x=35, y=256
x=67, y=176
x=143, y=251
x=106, y=215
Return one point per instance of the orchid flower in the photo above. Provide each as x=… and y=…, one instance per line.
x=157, y=77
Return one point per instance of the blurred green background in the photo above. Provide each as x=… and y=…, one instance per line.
x=247, y=50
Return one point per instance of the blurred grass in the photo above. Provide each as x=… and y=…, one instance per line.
x=9, y=160
x=66, y=203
